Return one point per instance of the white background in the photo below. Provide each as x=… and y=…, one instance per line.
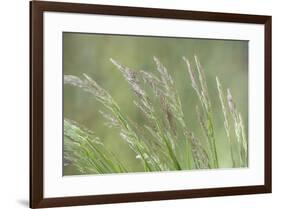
x=14, y=106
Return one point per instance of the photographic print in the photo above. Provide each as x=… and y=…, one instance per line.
x=152, y=104
x=132, y=104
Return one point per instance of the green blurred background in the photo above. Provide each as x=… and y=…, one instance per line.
x=90, y=54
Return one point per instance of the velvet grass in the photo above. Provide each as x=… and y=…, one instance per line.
x=163, y=141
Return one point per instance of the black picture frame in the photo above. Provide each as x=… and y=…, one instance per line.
x=37, y=8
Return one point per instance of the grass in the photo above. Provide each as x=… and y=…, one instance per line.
x=163, y=141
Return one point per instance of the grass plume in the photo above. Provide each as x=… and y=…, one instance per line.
x=164, y=141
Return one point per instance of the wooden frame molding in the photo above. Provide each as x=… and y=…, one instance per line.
x=37, y=9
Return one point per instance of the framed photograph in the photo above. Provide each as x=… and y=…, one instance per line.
x=138, y=104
